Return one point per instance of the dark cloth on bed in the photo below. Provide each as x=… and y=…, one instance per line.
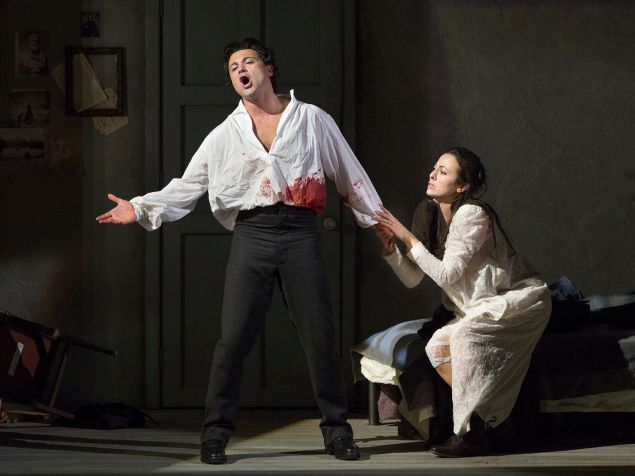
x=588, y=362
x=569, y=310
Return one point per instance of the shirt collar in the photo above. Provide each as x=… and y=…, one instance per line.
x=291, y=106
x=242, y=118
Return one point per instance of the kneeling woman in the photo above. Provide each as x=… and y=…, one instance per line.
x=500, y=304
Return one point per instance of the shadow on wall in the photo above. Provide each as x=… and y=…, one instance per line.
x=402, y=89
x=41, y=247
x=631, y=176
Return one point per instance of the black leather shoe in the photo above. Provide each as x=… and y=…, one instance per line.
x=213, y=452
x=343, y=447
x=461, y=447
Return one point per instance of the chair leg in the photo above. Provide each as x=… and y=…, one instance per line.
x=4, y=417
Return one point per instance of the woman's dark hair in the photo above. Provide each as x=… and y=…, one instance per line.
x=267, y=55
x=472, y=174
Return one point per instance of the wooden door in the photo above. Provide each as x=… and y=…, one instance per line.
x=307, y=38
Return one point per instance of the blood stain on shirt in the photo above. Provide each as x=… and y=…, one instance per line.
x=265, y=187
x=307, y=192
x=358, y=188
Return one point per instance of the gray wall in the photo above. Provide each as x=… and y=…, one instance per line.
x=57, y=266
x=543, y=91
x=114, y=255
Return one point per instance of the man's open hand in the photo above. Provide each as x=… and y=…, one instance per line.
x=122, y=214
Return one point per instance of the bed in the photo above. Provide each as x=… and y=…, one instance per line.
x=584, y=362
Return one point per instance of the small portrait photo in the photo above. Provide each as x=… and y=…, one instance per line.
x=89, y=25
x=22, y=143
x=29, y=107
x=30, y=53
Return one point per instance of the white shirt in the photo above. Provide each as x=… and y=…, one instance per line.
x=238, y=173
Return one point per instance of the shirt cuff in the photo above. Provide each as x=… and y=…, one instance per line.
x=392, y=258
x=146, y=220
x=417, y=250
x=137, y=210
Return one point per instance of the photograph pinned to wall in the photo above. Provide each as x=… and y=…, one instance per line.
x=31, y=60
x=26, y=143
x=64, y=146
x=29, y=107
x=90, y=25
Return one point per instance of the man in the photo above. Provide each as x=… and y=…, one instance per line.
x=264, y=169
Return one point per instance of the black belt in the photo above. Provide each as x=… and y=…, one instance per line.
x=270, y=210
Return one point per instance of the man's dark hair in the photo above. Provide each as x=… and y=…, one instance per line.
x=267, y=55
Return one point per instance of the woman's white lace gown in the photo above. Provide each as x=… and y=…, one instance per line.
x=500, y=304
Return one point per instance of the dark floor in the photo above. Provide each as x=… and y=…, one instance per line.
x=284, y=441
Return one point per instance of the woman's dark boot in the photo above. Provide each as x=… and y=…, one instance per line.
x=472, y=443
x=441, y=423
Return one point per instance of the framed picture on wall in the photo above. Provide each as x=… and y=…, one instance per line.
x=31, y=60
x=19, y=143
x=95, y=81
x=29, y=107
x=90, y=27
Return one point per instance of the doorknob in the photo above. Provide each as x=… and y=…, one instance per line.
x=329, y=223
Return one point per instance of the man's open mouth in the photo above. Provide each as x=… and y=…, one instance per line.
x=244, y=80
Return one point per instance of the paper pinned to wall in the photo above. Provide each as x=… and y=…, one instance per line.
x=87, y=91
x=64, y=141
x=108, y=124
x=58, y=74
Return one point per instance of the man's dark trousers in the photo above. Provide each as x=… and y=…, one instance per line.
x=276, y=245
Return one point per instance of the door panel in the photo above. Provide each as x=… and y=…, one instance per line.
x=199, y=277
x=207, y=26
x=195, y=98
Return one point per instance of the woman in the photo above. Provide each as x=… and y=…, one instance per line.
x=500, y=305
